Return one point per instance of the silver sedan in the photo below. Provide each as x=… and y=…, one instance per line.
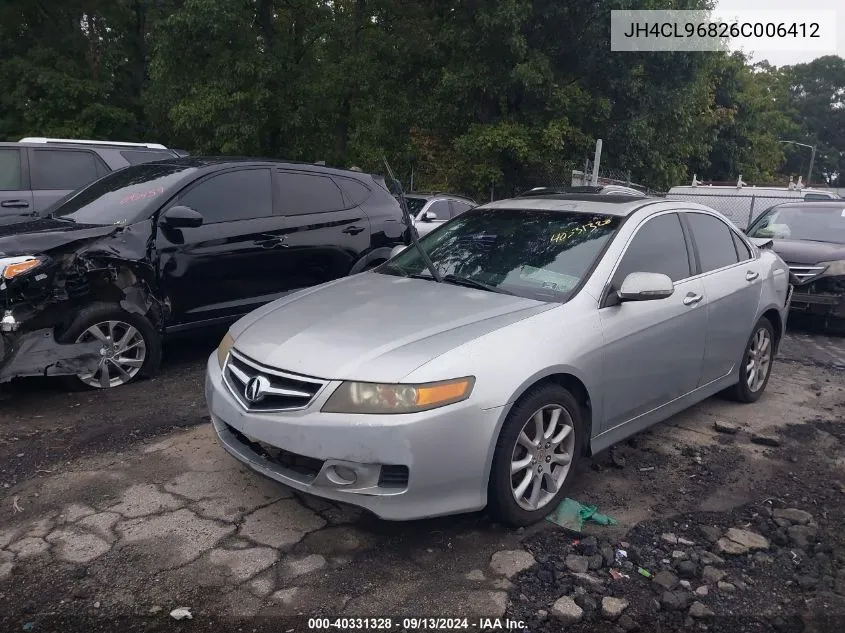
x=547, y=328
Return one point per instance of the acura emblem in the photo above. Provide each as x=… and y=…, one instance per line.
x=256, y=388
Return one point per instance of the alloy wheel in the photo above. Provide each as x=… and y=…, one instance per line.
x=759, y=360
x=122, y=353
x=542, y=457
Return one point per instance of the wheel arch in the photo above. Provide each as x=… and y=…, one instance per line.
x=774, y=317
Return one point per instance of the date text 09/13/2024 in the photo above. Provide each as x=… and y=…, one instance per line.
x=415, y=624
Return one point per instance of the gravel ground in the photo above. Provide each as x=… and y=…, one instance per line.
x=117, y=507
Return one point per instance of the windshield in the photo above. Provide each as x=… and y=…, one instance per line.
x=540, y=255
x=818, y=224
x=124, y=196
x=415, y=205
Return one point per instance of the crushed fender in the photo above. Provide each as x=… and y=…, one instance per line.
x=37, y=353
x=571, y=515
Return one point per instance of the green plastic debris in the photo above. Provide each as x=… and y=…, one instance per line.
x=644, y=572
x=571, y=515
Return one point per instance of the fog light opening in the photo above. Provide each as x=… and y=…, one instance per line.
x=341, y=475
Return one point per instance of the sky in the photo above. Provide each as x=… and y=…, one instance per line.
x=788, y=57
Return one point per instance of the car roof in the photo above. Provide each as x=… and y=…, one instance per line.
x=605, y=204
x=201, y=162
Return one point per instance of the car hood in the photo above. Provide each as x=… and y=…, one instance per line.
x=373, y=327
x=45, y=234
x=803, y=252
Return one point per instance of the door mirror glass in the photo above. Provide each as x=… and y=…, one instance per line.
x=429, y=216
x=180, y=216
x=646, y=287
x=396, y=250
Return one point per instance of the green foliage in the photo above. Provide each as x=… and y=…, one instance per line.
x=468, y=95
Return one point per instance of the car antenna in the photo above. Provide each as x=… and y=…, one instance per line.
x=415, y=238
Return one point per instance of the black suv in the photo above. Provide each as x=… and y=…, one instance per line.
x=37, y=172
x=90, y=290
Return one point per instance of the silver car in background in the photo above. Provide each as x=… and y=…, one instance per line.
x=561, y=325
x=430, y=210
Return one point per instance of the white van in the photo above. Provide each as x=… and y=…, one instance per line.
x=742, y=203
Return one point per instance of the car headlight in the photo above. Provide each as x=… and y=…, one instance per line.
x=11, y=267
x=369, y=397
x=224, y=347
x=834, y=269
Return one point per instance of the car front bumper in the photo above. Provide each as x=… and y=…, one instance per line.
x=408, y=466
x=824, y=297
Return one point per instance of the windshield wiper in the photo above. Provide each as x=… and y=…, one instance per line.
x=472, y=283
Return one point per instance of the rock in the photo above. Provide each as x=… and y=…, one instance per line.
x=784, y=523
x=678, y=555
x=685, y=541
x=586, y=602
x=668, y=537
x=725, y=587
x=589, y=546
x=712, y=575
x=596, y=562
x=686, y=584
x=793, y=515
x=737, y=542
x=542, y=614
x=596, y=584
x=612, y=608
x=565, y=610
x=765, y=440
x=578, y=564
x=709, y=558
x=702, y=591
x=802, y=535
x=608, y=554
x=687, y=569
x=710, y=533
x=700, y=611
x=808, y=582
x=155, y=609
x=674, y=600
x=726, y=427
x=509, y=563
x=627, y=623
x=476, y=575
x=666, y=579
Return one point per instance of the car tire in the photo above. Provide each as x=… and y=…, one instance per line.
x=141, y=353
x=503, y=486
x=373, y=265
x=745, y=390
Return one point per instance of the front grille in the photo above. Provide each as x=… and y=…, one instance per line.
x=804, y=273
x=308, y=467
x=393, y=477
x=260, y=388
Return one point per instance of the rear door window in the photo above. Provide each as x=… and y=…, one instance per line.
x=713, y=241
x=234, y=195
x=10, y=169
x=301, y=193
x=356, y=192
x=63, y=169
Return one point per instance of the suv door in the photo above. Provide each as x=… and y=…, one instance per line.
x=653, y=349
x=15, y=196
x=733, y=283
x=59, y=171
x=230, y=265
x=326, y=235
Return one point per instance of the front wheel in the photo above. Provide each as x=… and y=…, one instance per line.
x=756, y=364
x=535, y=455
x=130, y=346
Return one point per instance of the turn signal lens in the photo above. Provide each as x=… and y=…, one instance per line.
x=12, y=270
x=370, y=397
x=224, y=347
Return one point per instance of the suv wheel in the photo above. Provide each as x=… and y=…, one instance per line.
x=130, y=346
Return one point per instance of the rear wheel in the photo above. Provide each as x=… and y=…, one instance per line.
x=535, y=455
x=756, y=366
x=130, y=346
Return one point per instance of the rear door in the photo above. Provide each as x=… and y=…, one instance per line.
x=653, y=349
x=732, y=283
x=15, y=196
x=231, y=264
x=325, y=234
x=57, y=171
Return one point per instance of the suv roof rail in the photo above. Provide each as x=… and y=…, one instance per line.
x=44, y=139
x=441, y=193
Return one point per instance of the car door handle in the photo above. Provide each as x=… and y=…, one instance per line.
x=353, y=230
x=14, y=204
x=691, y=299
x=272, y=241
x=751, y=275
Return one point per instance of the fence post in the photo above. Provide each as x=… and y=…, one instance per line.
x=751, y=211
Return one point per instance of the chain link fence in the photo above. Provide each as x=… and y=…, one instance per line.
x=740, y=208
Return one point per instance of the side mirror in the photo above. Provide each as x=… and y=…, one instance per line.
x=429, y=216
x=646, y=287
x=396, y=250
x=180, y=216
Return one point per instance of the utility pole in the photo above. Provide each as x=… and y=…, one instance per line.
x=812, y=157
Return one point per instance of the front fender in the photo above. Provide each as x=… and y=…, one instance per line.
x=375, y=255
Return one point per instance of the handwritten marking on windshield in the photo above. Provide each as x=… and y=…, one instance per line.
x=141, y=195
x=562, y=236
